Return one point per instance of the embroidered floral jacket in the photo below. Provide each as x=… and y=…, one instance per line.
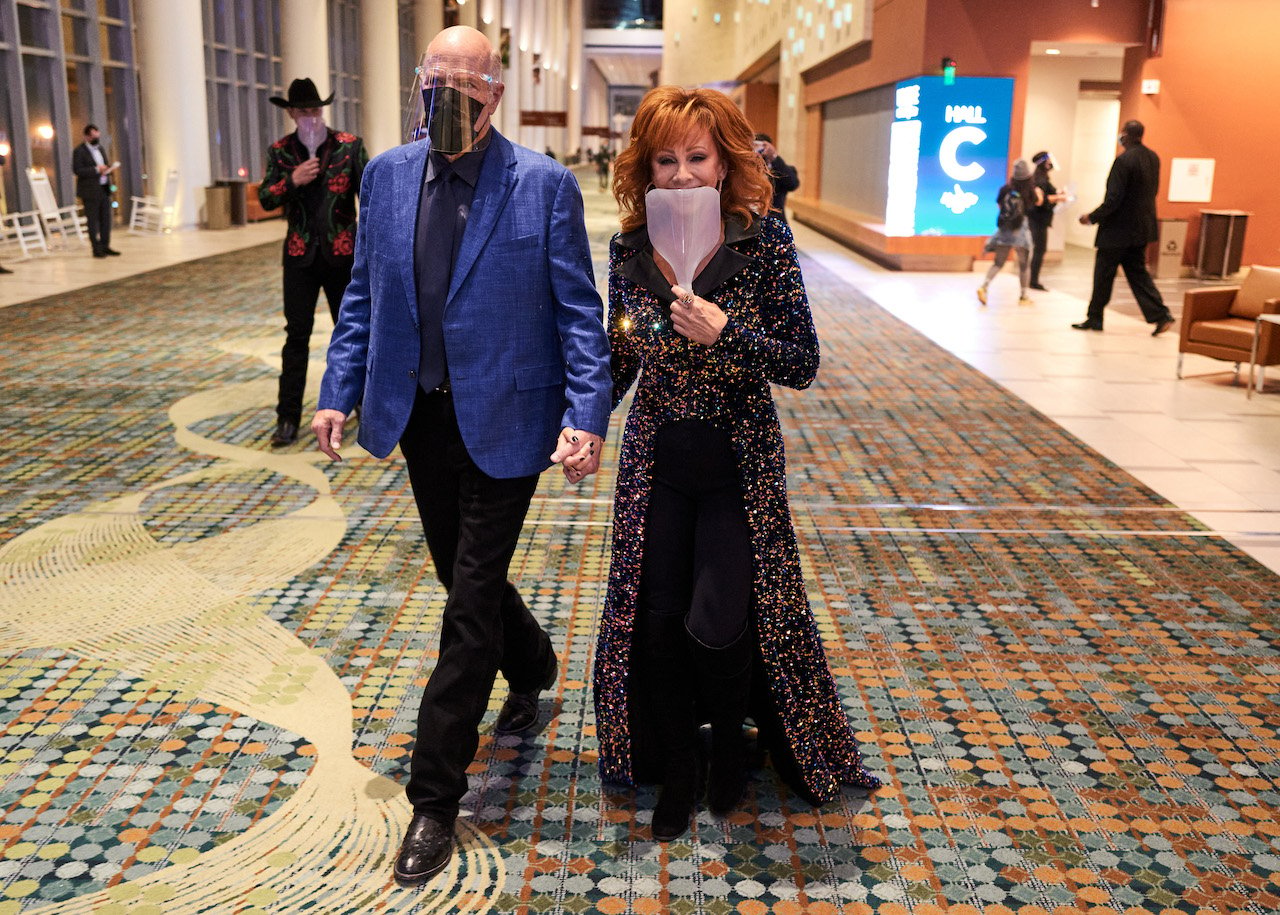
x=322, y=213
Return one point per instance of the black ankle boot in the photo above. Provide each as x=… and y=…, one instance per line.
x=678, y=798
x=725, y=675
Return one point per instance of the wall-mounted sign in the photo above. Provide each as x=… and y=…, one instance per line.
x=948, y=155
x=1191, y=180
x=544, y=118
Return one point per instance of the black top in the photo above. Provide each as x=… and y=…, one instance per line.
x=1043, y=212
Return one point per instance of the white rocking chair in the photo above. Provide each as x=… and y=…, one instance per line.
x=23, y=229
x=56, y=220
x=153, y=214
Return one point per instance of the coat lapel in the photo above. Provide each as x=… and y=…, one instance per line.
x=643, y=270
x=497, y=180
x=410, y=178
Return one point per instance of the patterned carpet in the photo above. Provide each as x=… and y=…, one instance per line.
x=210, y=653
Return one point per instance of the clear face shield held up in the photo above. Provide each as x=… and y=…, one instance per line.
x=449, y=100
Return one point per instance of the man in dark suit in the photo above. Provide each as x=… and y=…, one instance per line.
x=1126, y=222
x=782, y=176
x=93, y=187
x=314, y=174
x=472, y=335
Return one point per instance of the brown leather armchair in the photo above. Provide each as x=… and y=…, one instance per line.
x=1219, y=321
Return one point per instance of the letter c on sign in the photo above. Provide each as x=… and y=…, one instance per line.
x=947, y=154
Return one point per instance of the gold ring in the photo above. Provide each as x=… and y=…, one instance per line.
x=687, y=298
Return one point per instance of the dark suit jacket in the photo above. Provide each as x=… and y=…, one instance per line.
x=1127, y=216
x=88, y=186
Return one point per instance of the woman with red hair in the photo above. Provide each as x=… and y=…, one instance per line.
x=706, y=616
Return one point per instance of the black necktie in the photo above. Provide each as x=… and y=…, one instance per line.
x=437, y=226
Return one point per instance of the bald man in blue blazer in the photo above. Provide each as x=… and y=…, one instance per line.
x=471, y=335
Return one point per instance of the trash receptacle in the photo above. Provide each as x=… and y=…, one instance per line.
x=239, y=211
x=217, y=207
x=1170, y=248
x=1221, y=241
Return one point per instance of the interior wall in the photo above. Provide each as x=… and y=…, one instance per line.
x=1218, y=79
x=1053, y=93
x=855, y=151
x=1093, y=149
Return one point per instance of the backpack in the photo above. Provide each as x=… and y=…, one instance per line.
x=1012, y=211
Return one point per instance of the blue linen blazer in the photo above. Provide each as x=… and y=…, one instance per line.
x=523, y=323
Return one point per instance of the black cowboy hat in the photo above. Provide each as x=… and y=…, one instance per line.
x=302, y=94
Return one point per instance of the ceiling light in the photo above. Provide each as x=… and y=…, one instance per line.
x=1052, y=51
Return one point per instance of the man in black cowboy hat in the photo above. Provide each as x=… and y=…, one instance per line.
x=314, y=173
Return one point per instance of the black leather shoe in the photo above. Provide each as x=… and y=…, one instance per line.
x=1088, y=325
x=5, y=270
x=111, y=252
x=520, y=712
x=1162, y=325
x=99, y=253
x=1038, y=286
x=286, y=434
x=426, y=849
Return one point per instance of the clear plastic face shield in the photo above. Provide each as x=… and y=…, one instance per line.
x=451, y=95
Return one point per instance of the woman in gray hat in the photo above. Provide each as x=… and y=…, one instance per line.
x=1015, y=200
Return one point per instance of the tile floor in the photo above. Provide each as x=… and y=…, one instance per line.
x=1198, y=442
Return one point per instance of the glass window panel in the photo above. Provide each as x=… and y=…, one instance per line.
x=220, y=35
x=244, y=24
x=33, y=27
x=8, y=139
x=222, y=64
x=118, y=83
x=79, y=83
x=38, y=73
x=117, y=47
x=78, y=5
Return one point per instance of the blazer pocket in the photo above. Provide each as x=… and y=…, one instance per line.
x=539, y=376
x=523, y=243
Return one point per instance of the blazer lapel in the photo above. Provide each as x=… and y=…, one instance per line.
x=493, y=187
x=727, y=261
x=410, y=178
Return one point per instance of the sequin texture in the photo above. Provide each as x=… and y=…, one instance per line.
x=770, y=338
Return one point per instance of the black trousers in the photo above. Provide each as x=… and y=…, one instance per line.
x=97, y=213
x=1039, y=241
x=697, y=544
x=1134, y=261
x=302, y=287
x=472, y=523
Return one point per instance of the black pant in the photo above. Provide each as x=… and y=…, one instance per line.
x=1039, y=241
x=1134, y=261
x=472, y=523
x=302, y=287
x=697, y=545
x=97, y=212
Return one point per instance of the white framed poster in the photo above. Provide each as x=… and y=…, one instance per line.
x=1190, y=180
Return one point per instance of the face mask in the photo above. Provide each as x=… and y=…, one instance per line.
x=684, y=227
x=312, y=132
x=451, y=119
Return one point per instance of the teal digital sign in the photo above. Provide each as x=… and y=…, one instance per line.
x=948, y=155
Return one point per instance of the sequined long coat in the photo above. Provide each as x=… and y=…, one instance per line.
x=754, y=277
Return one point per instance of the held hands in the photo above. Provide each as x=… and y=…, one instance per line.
x=694, y=317
x=327, y=425
x=577, y=452
x=306, y=172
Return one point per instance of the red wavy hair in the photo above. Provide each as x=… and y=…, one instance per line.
x=669, y=113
